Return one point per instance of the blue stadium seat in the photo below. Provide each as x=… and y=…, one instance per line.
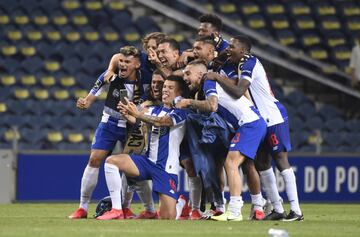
x=329, y=111
x=296, y=124
x=296, y=98
x=306, y=110
x=314, y=123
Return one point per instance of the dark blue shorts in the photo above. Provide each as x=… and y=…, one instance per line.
x=248, y=138
x=163, y=182
x=277, y=138
x=106, y=136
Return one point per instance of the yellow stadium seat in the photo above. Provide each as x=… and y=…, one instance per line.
x=329, y=69
x=177, y=37
x=73, y=36
x=311, y=40
x=209, y=7
x=306, y=24
x=61, y=95
x=250, y=9
x=342, y=55
x=287, y=41
x=353, y=25
x=21, y=20
x=28, y=80
x=111, y=36
x=28, y=50
x=75, y=137
x=80, y=20
x=60, y=20
x=117, y=5
x=275, y=9
x=8, y=50
x=10, y=135
x=47, y=81
x=326, y=10
x=41, y=94
x=331, y=25
x=336, y=42
x=4, y=19
x=53, y=35
x=8, y=80
x=34, y=35
x=352, y=11
x=55, y=137
x=280, y=24
x=93, y=5
x=319, y=54
x=70, y=4
x=227, y=8
x=257, y=23
x=14, y=35
x=81, y=93
x=22, y=94
x=131, y=37
x=3, y=107
x=91, y=136
x=92, y=36
x=41, y=20
x=52, y=65
x=301, y=10
x=102, y=96
x=67, y=81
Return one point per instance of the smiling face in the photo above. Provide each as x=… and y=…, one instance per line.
x=203, y=51
x=193, y=74
x=157, y=83
x=235, y=51
x=127, y=66
x=167, y=55
x=169, y=92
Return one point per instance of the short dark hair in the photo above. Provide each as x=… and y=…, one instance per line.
x=182, y=84
x=244, y=40
x=158, y=72
x=130, y=51
x=206, y=39
x=213, y=20
x=172, y=42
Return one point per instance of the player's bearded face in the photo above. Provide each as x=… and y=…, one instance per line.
x=192, y=77
x=128, y=65
x=205, y=29
x=157, y=83
x=203, y=51
x=169, y=92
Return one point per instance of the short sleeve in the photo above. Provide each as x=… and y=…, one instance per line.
x=210, y=88
x=246, y=69
x=178, y=116
x=99, y=85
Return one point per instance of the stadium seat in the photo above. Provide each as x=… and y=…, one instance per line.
x=299, y=8
x=28, y=80
x=27, y=50
x=318, y=52
x=3, y=108
x=310, y=38
x=331, y=139
x=72, y=65
x=286, y=37
x=314, y=123
x=21, y=94
x=20, y=17
x=334, y=124
x=70, y=5
x=4, y=18
x=296, y=98
x=296, y=123
x=39, y=17
x=9, y=50
x=329, y=111
x=306, y=110
x=59, y=18
x=54, y=136
x=7, y=80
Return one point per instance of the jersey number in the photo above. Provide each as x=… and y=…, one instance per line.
x=273, y=139
x=236, y=138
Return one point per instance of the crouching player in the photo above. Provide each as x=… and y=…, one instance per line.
x=161, y=162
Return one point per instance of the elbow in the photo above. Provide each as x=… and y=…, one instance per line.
x=213, y=107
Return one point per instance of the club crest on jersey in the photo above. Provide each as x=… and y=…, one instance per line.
x=159, y=130
x=116, y=93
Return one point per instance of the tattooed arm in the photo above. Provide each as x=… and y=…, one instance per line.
x=208, y=105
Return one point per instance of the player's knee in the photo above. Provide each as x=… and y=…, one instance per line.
x=189, y=167
x=110, y=160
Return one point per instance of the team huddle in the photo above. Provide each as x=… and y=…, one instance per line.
x=208, y=109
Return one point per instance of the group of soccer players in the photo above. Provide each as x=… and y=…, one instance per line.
x=151, y=97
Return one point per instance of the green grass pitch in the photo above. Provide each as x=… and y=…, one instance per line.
x=50, y=220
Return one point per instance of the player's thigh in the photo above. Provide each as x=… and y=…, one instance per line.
x=189, y=166
x=167, y=207
x=263, y=159
x=125, y=164
x=97, y=156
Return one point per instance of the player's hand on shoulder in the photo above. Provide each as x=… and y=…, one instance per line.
x=183, y=103
x=212, y=76
x=152, y=56
x=109, y=76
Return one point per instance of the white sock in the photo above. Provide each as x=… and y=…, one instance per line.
x=88, y=184
x=113, y=182
x=257, y=201
x=269, y=182
x=235, y=205
x=195, y=190
x=127, y=193
x=144, y=191
x=179, y=207
x=223, y=196
x=291, y=190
